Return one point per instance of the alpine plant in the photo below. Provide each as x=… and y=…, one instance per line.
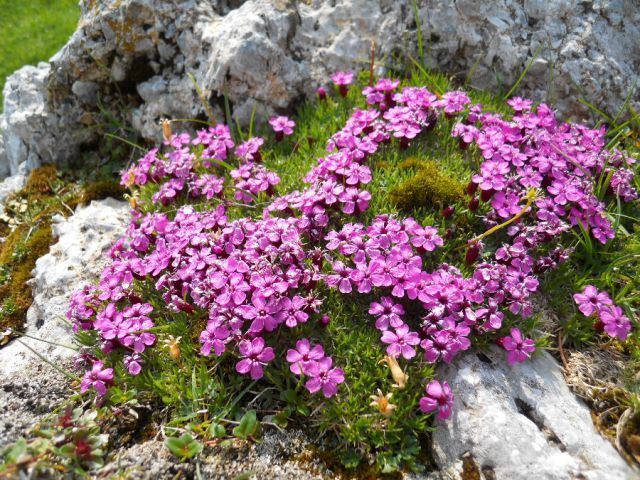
x=257, y=278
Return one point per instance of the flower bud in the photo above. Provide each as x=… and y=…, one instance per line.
x=473, y=204
x=472, y=188
x=485, y=195
x=322, y=93
x=166, y=129
x=324, y=320
x=473, y=252
x=447, y=212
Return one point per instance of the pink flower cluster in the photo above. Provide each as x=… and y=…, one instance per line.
x=250, y=279
x=565, y=161
x=192, y=168
x=611, y=318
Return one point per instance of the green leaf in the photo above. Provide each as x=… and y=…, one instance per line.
x=13, y=453
x=281, y=419
x=184, y=447
x=217, y=431
x=248, y=425
x=350, y=458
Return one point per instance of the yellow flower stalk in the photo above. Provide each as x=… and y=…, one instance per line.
x=530, y=197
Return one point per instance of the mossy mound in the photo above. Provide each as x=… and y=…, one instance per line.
x=18, y=257
x=427, y=188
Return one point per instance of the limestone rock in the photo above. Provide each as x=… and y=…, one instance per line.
x=278, y=455
x=29, y=387
x=135, y=58
x=520, y=422
x=12, y=184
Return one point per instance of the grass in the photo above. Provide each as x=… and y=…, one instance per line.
x=207, y=398
x=32, y=31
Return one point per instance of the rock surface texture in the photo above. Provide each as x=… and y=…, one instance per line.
x=28, y=386
x=134, y=58
x=520, y=422
x=278, y=455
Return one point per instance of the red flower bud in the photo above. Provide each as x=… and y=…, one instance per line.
x=447, y=212
x=473, y=204
x=471, y=188
x=473, y=252
x=486, y=195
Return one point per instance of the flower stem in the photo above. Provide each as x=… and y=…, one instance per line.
x=531, y=197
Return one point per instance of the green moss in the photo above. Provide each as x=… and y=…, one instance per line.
x=102, y=189
x=10, y=243
x=40, y=181
x=429, y=187
x=15, y=294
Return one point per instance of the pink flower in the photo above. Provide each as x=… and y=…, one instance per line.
x=388, y=313
x=256, y=356
x=97, y=378
x=616, y=324
x=591, y=300
x=324, y=377
x=342, y=80
x=519, y=348
x=305, y=357
x=401, y=342
x=439, y=398
x=282, y=126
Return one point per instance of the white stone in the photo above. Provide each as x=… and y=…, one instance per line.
x=520, y=422
x=272, y=53
x=75, y=260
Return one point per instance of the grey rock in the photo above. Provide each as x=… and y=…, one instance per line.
x=12, y=184
x=26, y=398
x=5, y=170
x=269, y=54
x=520, y=422
x=277, y=455
x=76, y=259
x=30, y=387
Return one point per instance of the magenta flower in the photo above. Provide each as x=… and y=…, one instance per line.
x=282, y=126
x=520, y=104
x=388, y=313
x=616, y=324
x=214, y=336
x=519, y=348
x=256, y=356
x=324, y=377
x=439, y=398
x=97, y=378
x=133, y=363
x=342, y=80
x=401, y=342
x=591, y=300
x=304, y=358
